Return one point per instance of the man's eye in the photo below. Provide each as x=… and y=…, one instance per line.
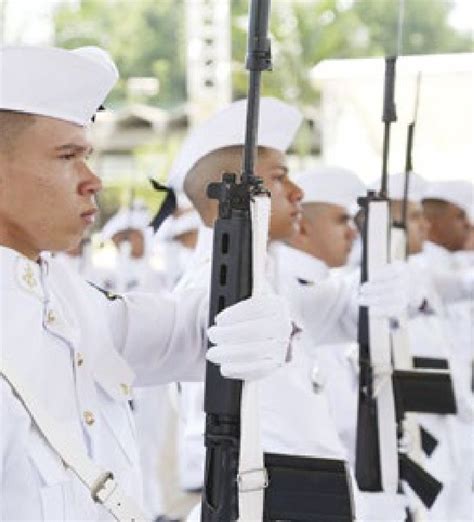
x=68, y=156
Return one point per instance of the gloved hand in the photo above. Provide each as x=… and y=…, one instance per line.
x=387, y=293
x=252, y=337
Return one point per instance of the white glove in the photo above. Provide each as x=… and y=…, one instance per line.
x=387, y=293
x=252, y=337
x=377, y=507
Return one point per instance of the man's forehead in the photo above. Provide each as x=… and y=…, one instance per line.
x=272, y=158
x=323, y=206
x=60, y=134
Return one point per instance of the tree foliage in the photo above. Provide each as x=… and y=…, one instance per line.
x=147, y=38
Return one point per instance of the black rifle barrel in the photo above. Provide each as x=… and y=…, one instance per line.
x=389, y=116
x=409, y=151
x=408, y=170
x=258, y=60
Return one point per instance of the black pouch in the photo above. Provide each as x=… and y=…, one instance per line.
x=306, y=489
x=425, y=391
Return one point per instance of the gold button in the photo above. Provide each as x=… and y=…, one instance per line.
x=29, y=277
x=89, y=418
x=51, y=317
x=79, y=359
x=125, y=388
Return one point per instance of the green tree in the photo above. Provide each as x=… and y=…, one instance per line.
x=147, y=38
x=425, y=27
x=143, y=36
x=304, y=32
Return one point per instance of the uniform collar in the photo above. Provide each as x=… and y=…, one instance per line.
x=300, y=264
x=441, y=255
x=19, y=272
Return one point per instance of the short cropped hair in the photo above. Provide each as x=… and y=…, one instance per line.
x=209, y=169
x=12, y=125
x=434, y=207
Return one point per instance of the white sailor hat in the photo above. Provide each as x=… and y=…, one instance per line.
x=331, y=185
x=396, y=186
x=278, y=123
x=175, y=226
x=48, y=81
x=136, y=218
x=459, y=192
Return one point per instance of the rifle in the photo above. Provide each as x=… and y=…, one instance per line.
x=231, y=282
x=422, y=390
x=409, y=155
x=291, y=488
x=380, y=460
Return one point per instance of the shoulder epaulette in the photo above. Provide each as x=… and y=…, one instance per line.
x=111, y=296
x=305, y=282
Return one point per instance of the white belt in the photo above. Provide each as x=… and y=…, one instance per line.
x=102, y=485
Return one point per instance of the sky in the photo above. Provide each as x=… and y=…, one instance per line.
x=29, y=21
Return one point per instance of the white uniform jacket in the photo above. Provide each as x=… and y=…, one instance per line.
x=79, y=353
x=326, y=305
x=458, y=320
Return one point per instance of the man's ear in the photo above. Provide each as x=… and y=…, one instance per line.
x=301, y=240
x=305, y=226
x=305, y=233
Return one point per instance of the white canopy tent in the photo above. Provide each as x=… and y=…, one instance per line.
x=351, y=109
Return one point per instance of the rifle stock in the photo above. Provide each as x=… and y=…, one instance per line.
x=426, y=487
x=231, y=281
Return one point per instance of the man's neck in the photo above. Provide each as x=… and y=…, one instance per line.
x=19, y=246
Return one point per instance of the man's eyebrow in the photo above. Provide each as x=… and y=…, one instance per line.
x=284, y=168
x=75, y=147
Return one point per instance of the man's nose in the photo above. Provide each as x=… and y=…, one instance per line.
x=295, y=192
x=351, y=232
x=92, y=184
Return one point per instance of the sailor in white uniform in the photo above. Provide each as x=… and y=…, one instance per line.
x=69, y=355
x=324, y=241
x=310, y=263
x=131, y=235
x=175, y=240
x=288, y=396
x=448, y=207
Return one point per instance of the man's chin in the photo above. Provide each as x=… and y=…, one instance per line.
x=67, y=244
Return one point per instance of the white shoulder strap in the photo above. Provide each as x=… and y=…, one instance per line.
x=252, y=477
x=380, y=348
x=411, y=442
x=104, y=489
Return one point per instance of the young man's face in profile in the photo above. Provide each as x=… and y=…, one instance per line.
x=286, y=197
x=330, y=232
x=47, y=189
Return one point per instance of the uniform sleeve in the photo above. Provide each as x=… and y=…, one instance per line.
x=14, y=467
x=329, y=309
x=455, y=286
x=162, y=337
